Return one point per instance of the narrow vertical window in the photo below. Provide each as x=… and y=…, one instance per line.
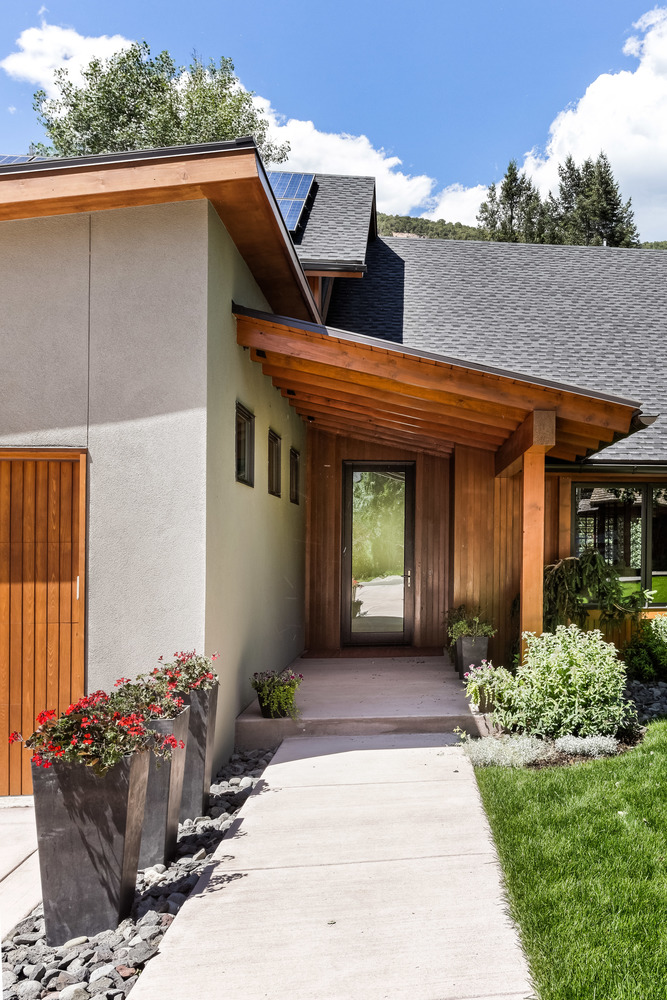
x=294, y=459
x=245, y=446
x=274, y=464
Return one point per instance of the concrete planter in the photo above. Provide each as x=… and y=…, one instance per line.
x=163, y=795
x=471, y=650
x=199, y=751
x=88, y=835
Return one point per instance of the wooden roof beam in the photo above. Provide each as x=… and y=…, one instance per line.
x=408, y=440
x=406, y=450
x=427, y=373
x=536, y=435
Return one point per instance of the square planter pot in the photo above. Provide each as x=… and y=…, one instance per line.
x=199, y=751
x=163, y=795
x=471, y=650
x=88, y=835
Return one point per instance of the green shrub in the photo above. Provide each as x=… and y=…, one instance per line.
x=646, y=654
x=506, y=751
x=571, y=682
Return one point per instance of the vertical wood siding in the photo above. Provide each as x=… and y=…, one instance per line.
x=326, y=454
x=42, y=543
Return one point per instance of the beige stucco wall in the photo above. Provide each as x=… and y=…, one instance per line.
x=116, y=334
x=255, y=541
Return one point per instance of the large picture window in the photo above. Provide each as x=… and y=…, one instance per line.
x=627, y=524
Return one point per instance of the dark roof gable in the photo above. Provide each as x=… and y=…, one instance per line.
x=338, y=223
x=593, y=316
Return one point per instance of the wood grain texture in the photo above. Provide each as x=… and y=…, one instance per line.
x=42, y=547
x=326, y=454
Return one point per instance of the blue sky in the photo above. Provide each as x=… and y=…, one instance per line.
x=452, y=91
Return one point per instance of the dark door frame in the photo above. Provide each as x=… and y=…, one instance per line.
x=404, y=638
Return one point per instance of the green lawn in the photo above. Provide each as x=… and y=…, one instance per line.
x=584, y=850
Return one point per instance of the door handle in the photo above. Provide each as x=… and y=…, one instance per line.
x=408, y=577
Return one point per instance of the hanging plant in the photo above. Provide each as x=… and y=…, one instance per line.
x=575, y=584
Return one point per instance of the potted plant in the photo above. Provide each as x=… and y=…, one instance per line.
x=191, y=676
x=276, y=691
x=471, y=636
x=89, y=772
x=166, y=715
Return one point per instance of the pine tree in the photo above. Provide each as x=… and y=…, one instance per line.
x=515, y=214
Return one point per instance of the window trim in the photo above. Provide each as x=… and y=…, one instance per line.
x=294, y=475
x=242, y=412
x=646, y=488
x=274, y=463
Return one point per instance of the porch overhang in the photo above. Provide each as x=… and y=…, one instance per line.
x=348, y=384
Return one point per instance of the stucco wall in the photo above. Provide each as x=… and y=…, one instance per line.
x=255, y=541
x=117, y=335
x=104, y=346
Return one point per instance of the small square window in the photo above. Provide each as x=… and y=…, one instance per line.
x=245, y=446
x=294, y=460
x=274, y=464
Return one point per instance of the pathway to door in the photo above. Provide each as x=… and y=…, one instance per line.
x=361, y=868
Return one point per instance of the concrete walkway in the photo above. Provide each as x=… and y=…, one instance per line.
x=361, y=868
x=20, y=887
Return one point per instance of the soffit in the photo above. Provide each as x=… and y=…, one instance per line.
x=360, y=386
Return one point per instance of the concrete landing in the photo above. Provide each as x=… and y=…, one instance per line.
x=20, y=887
x=363, y=697
x=360, y=867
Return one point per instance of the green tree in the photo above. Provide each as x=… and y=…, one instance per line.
x=514, y=213
x=135, y=101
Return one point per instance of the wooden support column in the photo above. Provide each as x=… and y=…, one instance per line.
x=532, y=545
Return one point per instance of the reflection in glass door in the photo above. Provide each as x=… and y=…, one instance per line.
x=377, y=598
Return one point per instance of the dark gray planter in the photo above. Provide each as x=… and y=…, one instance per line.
x=199, y=754
x=163, y=796
x=88, y=834
x=469, y=650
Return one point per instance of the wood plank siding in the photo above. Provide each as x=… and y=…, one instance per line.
x=42, y=548
x=326, y=454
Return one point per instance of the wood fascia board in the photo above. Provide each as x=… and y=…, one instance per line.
x=232, y=180
x=428, y=373
x=536, y=435
x=315, y=273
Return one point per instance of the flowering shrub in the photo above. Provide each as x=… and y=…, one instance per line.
x=483, y=681
x=571, y=682
x=276, y=691
x=188, y=672
x=150, y=699
x=96, y=731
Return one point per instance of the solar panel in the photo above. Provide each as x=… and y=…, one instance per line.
x=291, y=191
x=6, y=159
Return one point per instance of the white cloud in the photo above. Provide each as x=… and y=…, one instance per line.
x=43, y=50
x=624, y=114
x=11, y=109
x=457, y=203
x=398, y=193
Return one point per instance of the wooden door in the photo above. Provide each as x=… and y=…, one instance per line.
x=42, y=573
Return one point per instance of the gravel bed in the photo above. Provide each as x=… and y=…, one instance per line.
x=650, y=699
x=108, y=965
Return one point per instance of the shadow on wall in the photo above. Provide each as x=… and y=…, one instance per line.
x=373, y=305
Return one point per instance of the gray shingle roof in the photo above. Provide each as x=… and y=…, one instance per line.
x=337, y=226
x=593, y=317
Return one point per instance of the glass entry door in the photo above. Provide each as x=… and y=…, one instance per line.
x=378, y=553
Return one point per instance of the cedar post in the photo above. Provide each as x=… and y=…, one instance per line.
x=532, y=541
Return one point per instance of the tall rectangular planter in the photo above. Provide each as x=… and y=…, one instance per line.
x=471, y=650
x=163, y=795
x=199, y=753
x=88, y=835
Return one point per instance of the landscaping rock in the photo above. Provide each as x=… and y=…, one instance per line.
x=106, y=965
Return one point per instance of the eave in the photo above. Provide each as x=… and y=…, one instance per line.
x=230, y=175
x=360, y=386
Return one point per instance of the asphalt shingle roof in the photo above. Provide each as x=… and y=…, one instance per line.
x=594, y=317
x=337, y=226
